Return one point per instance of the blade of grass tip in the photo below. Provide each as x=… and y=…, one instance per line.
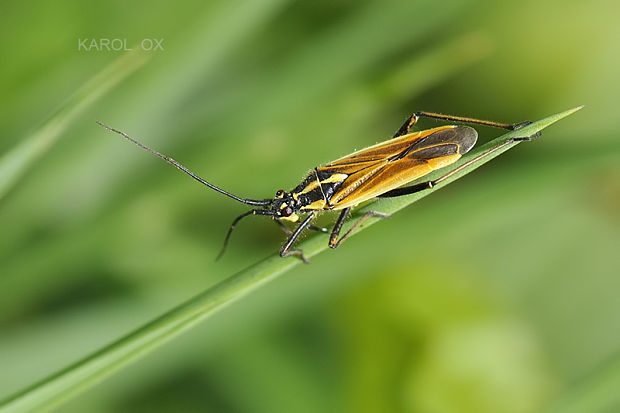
x=87, y=372
x=597, y=393
x=16, y=162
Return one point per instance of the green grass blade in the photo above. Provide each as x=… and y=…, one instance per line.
x=87, y=372
x=16, y=162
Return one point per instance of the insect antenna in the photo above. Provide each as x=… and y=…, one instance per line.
x=182, y=168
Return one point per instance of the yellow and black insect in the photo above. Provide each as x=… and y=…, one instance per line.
x=381, y=170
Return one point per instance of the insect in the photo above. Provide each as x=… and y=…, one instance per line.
x=381, y=170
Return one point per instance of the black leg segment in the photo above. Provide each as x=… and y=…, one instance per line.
x=333, y=243
x=286, y=249
x=287, y=231
x=338, y=225
x=413, y=119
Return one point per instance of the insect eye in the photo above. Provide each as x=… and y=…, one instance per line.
x=287, y=212
x=280, y=193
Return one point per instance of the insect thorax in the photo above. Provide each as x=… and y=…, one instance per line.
x=316, y=190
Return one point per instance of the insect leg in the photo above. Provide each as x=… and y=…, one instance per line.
x=403, y=130
x=318, y=229
x=286, y=249
x=289, y=232
x=413, y=119
x=283, y=227
x=333, y=243
x=338, y=225
x=429, y=184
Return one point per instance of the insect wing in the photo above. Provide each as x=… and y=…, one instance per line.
x=376, y=154
x=383, y=167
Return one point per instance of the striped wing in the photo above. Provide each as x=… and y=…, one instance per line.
x=380, y=168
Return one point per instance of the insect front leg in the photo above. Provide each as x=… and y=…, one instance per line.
x=334, y=242
x=286, y=249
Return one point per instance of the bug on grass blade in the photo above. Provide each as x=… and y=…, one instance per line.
x=382, y=170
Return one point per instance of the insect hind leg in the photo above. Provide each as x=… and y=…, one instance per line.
x=404, y=129
x=407, y=190
x=413, y=119
x=524, y=138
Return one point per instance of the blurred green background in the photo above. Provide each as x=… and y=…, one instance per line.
x=499, y=293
